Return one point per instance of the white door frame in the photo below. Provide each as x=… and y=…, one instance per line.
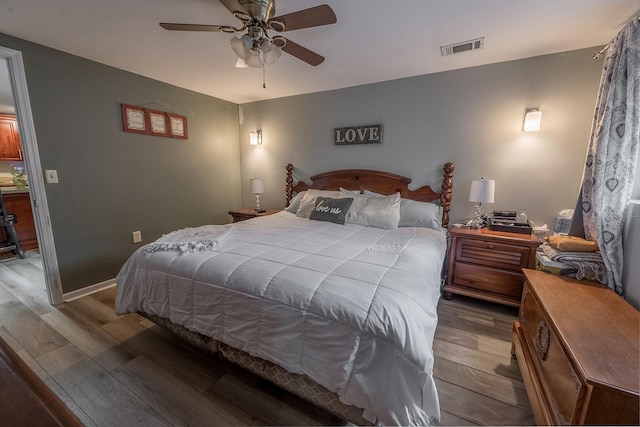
x=34, y=172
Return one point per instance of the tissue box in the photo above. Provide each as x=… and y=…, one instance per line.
x=544, y=263
x=562, y=225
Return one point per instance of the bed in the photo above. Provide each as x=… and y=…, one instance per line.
x=342, y=315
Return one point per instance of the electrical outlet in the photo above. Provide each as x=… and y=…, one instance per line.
x=137, y=237
x=51, y=176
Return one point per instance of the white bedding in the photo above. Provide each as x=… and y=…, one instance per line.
x=352, y=307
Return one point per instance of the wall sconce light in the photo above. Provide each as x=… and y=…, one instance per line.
x=255, y=137
x=532, y=120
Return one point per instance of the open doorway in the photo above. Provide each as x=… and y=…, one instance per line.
x=12, y=60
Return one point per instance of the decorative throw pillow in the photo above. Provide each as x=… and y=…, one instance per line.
x=308, y=201
x=332, y=210
x=375, y=211
x=572, y=244
x=294, y=204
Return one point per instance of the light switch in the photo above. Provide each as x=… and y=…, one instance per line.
x=51, y=176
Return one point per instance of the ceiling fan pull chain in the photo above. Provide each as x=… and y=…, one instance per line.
x=264, y=79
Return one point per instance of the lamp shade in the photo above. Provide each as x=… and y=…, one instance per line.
x=256, y=186
x=482, y=190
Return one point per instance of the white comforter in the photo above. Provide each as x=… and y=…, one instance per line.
x=352, y=307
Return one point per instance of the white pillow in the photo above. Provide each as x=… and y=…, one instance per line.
x=294, y=204
x=417, y=214
x=349, y=193
x=374, y=211
x=308, y=201
x=420, y=214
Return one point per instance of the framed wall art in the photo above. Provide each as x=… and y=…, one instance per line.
x=177, y=126
x=369, y=134
x=153, y=122
x=158, y=125
x=134, y=119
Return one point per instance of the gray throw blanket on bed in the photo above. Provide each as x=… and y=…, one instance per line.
x=190, y=240
x=583, y=262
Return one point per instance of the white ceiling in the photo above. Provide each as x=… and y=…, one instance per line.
x=373, y=40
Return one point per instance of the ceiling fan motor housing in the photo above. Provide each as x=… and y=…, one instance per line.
x=261, y=10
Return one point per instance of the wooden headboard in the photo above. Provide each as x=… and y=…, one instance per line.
x=379, y=182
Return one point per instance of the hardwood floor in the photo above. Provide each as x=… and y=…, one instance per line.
x=123, y=370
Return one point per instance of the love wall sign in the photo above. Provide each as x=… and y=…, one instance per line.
x=370, y=134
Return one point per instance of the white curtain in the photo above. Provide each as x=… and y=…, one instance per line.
x=613, y=149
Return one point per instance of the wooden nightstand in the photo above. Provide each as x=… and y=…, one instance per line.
x=488, y=264
x=248, y=213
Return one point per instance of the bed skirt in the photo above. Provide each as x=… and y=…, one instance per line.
x=298, y=384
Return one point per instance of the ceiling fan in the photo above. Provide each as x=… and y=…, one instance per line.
x=256, y=47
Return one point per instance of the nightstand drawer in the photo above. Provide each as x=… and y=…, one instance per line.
x=560, y=381
x=487, y=279
x=499, y=255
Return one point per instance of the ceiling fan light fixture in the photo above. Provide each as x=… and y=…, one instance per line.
x=241, y=46
x=272, y=56
x=241, y=64
x=266, y=46
x=253, y=60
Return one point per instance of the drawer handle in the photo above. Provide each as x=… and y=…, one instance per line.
x=543, y=337
x=490, y=246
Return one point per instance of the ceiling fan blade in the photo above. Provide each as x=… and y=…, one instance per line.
x=302, y=53
x=312, y=17
x=191, y=27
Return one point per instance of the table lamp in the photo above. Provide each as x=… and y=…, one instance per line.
x=256, y=186
x=482, y=191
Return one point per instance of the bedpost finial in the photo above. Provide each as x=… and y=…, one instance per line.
x=289, y=181
x=445, y=196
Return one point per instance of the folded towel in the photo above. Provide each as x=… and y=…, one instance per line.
x=190, y=240
x=572, y=244
x=581, y=261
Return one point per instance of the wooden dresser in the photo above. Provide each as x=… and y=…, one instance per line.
x=577, y=347
x=488, y=264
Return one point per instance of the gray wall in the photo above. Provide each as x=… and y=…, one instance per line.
x=631, y=273
x=472, y=117
x=112, y=182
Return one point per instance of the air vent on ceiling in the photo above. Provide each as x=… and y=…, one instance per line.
x=462, y=47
